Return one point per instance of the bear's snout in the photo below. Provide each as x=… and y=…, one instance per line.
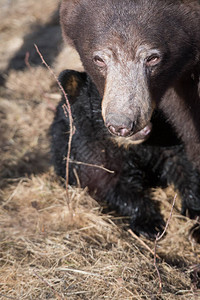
x=119, y=125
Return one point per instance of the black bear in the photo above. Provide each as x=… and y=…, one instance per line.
x=141, y=55
x=158, y=161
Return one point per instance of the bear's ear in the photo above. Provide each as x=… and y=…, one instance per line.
x=72, y=83
x=68, y=11
x=68, y=6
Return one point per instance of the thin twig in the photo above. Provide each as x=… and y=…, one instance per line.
x=77, y=178
x=142, y=242
x=26, y=60
x=79, y=272
x=155, y=265
x=90, y=165
x=68, y=108
x=51, y=287
x=158, y=238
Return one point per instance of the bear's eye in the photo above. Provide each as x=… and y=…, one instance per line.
x=99, y=61
x=153, y=60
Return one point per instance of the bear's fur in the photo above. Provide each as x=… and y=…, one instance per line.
x=158, y=161
x=142, y=55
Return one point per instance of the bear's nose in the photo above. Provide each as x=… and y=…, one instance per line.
x=119, y=125
x=120, y=131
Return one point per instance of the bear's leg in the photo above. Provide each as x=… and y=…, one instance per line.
x=131, y=197
x=175, y=168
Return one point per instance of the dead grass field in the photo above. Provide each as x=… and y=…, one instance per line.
x=48, y=249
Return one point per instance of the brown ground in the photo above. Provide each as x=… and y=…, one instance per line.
x=49, y=250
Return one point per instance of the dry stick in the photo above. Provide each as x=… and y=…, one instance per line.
x=90, y=165
x=69, y=113
x=142, y=242
x=27, y=60
x=46, y=95
x=79, y=272
x=67, y=110
x=158, y=238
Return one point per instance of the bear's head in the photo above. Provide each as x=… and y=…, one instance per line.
x=85, y=103
x=134, y=50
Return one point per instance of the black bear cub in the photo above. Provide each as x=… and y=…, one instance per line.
x=135, y=168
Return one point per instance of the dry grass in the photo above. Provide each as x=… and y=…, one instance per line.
x=17, y=18
x=78, y=251
x=49, y=250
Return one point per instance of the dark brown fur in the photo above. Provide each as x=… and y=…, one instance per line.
x=141, y=54
x=159, y=161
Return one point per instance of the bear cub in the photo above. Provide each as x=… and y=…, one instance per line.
x=135, y=168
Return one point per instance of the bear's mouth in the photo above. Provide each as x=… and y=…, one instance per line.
x=136, y=138
x=141, y=135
